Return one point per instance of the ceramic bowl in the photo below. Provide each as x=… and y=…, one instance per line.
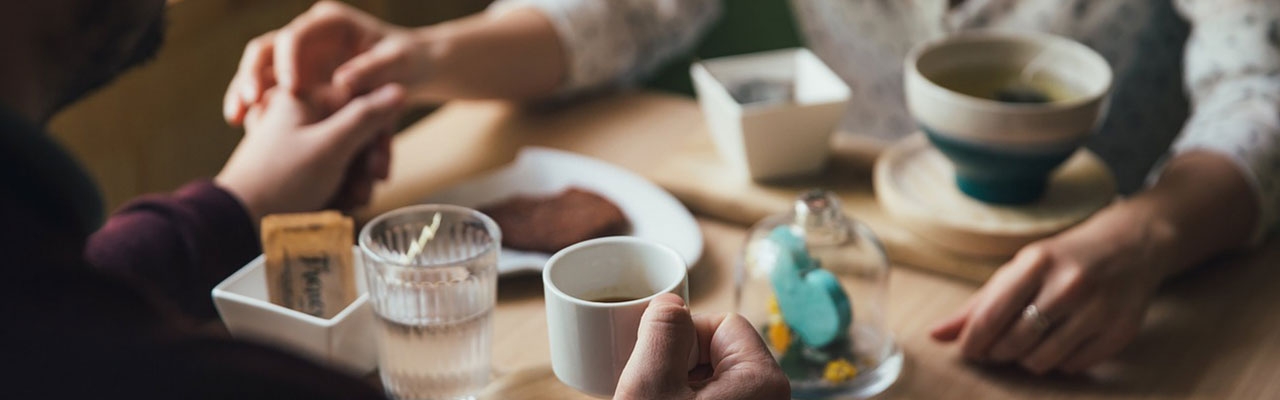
x=346, y=341
x=771, y=114
x=1004, y=151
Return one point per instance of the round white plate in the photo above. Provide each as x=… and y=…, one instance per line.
x=654, y=213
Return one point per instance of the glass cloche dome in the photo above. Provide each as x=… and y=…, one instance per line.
x=814, y=284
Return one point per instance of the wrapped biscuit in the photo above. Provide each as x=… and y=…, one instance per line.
x=309, y=261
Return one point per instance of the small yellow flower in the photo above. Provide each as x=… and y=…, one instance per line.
x=780, y=337
x=839, y=371
x=773, y=306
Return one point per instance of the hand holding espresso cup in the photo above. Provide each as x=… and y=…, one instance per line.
x=733, y=361
x=619, y=328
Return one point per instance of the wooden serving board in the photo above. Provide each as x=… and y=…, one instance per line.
x=696, y=175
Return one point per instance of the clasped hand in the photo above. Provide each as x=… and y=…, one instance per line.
x=318, y=112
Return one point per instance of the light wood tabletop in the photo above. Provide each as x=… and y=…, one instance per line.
x=1211, y=333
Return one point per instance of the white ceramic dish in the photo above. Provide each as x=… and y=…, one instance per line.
x=654, y=214
x=345, y=341
x=772, y=139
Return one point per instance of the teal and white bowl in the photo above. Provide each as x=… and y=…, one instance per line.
x=1005, y=151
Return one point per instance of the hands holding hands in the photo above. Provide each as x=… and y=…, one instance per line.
x=333, y=51
x=318, y=99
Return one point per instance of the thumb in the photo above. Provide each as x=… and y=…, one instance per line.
x=659, y=365
x=362, y=119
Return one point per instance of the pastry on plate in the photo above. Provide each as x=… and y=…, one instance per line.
x=550, y=223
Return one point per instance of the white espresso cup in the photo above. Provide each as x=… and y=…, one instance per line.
x=591, y=339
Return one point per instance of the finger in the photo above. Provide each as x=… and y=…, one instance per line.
x=370, y=69
x=1025, y=334
x=233, y=109
x=311, y=47
x=254, y=64
x=705, y=326
x=1100, y=348
x=253, y=76
x=1064, y=290
x=1018, y=340
x=658, y=366
x=363, y=118
x=284, y=108
x=1002, y=300
x=257, y=112
x=1060, y=342
x=950, y=328
x=310, y=35
x=742, y=366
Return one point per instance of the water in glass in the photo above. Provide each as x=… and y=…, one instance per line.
x=434, y=307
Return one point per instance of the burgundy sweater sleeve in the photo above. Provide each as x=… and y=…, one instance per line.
x=181, y=244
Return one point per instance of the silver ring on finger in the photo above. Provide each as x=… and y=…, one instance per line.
x=1039, y=322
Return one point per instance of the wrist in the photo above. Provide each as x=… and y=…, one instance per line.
x=233, y=186
x=1160, y=238
x=434, y=61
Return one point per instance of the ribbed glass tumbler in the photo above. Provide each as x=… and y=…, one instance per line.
x=431, y=272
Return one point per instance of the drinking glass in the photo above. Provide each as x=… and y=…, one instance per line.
x=433, y=303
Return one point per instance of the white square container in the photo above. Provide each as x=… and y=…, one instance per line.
x=346, y=341
x=771, y=140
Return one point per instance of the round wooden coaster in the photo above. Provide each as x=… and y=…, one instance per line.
x=915, y=184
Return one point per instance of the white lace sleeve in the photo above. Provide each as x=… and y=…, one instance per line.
x=620, y=41
x=1232, y=72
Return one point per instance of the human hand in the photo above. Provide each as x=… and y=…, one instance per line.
x=331, y=52
x=1091, y=286
x=297, y=157
x=733, y=361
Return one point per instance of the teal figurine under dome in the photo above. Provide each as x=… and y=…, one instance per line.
x=813, y=282
x=812, y=302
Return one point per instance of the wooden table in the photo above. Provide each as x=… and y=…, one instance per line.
x=1212, y=333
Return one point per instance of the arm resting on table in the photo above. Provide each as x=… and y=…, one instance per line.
x=181, y=244
x=1201, y=206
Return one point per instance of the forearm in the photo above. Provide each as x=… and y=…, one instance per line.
x=181, y=244
x=512, y=55
x=1202, y=205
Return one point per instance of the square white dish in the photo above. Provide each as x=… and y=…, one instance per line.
x=346, y=341
x=774, y=139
